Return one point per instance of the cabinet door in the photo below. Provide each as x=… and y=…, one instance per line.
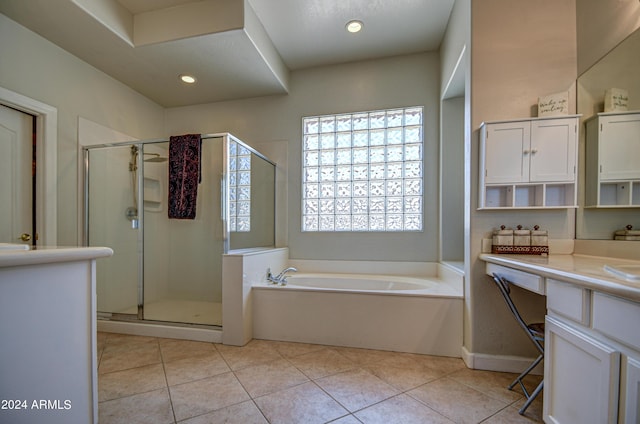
x=581, y=377
x=506, y=157
x=630, y=396
x=619, y=147
x=553, y=150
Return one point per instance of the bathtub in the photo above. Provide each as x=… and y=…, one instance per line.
x=386, y=312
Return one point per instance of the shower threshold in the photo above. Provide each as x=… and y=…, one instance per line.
x=128, y=323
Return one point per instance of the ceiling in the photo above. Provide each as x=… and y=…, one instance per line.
x=235, y=48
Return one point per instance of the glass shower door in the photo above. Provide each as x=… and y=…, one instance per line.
x=112, y=222
x=183, y=257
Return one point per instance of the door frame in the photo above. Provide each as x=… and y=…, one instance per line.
x=46, y=157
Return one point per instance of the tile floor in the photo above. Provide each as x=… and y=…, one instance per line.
x=158, y=381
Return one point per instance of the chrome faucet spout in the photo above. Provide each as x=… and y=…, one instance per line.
x=280, y=278
x=284, y=272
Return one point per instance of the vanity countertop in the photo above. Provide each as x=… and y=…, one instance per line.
x=43, y=255
x=583, y=270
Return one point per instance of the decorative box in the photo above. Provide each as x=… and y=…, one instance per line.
x=539, y=237
x=502, y=237
x=521, y=237
x=554, y=104
x=627, y=234
x=616, y=99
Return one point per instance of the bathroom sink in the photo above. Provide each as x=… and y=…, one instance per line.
x=13, y=246
x=626, y=272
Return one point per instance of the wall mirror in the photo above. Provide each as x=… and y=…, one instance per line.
x=617, y=69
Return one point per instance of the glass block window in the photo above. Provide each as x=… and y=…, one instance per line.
x=363, y=171
x=239, y=188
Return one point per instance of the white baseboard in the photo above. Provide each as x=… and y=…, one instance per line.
x=501, y=363
x=165, y=331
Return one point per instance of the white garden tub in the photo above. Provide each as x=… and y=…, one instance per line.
x=398, y=313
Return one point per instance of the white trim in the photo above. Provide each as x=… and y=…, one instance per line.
x=501, y=363
x=47, y=159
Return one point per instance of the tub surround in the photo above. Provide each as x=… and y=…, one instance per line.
x=415, y=321
x=242, y=269
x=48, y=325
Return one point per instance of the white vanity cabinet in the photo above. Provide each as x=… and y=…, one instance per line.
x=592, y=356
x=528, y=163
x=613, y=160
x=581, y=377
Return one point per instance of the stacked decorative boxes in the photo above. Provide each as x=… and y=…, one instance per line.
x=520, y=241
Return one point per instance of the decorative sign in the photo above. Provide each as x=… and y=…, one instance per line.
x=554, y=104
x=616, y=99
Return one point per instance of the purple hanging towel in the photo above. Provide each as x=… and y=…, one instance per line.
x=184, y=175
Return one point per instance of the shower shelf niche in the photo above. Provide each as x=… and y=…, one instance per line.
x=152, y=194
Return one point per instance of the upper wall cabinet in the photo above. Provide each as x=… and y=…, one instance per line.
x=613, y=160
x=529, y=163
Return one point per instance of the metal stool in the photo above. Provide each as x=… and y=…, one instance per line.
x=535, y=332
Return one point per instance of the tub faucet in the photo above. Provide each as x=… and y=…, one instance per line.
x=280, y=278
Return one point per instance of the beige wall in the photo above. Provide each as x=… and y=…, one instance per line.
x=36, y=68
x=601, y=25
x=394, y=82
x=520, y=51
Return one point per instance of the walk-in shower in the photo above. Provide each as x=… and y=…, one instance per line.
x=170, y=270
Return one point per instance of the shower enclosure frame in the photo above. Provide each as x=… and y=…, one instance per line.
x=139, y=144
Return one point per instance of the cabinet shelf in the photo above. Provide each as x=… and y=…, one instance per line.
x=529, y=196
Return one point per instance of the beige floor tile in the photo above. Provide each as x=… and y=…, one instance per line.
x=270, y=377
x=439, y=365
x=349, y=419
x=534, y=411
x=491, y=383
x=118, y=384
x=242, y=413
x=456, y=401
x=401, y=409
x=173, y=350
x=253, y=353
x=195, y=368
x=101, y=340
x=146, y=408
x=356, y=389
x=291, y=349
x=305, y=403
x=127, y=341
x=136, y=355
x=510, y=415
x=206, y=395
x=322, y=363
x=404, y=378
x=365, y=357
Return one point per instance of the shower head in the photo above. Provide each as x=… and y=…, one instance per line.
x=156, y=159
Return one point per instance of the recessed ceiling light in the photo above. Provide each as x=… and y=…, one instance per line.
x=188, y=79
x=354, y=26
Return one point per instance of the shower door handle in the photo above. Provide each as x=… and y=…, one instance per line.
x=25, y=237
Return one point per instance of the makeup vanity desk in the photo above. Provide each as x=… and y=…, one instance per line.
x=592, y=333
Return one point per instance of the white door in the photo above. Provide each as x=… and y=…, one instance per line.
x=507, y=152
x=620, y=147
x=16, y=180
x=553, y=150
x=581, y=377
